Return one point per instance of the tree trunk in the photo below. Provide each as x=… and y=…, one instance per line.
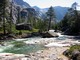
x=4, y=29
x=11, y=19
x=49, y=24
x=77, y=22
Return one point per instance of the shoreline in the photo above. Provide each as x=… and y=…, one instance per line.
x=53, y=52
x=49, y=54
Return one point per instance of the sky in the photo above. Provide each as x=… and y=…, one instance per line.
x=48, y=3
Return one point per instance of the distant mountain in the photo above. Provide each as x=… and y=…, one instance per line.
x=59, y=11
x=22, y=3
x=39, y=12
x=36, y=8
x=18, y=4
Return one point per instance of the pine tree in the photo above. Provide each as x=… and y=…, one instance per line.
x=76, y=25
x=3, y=5
x=10, y=22
x=70, y=23
x=50, y=14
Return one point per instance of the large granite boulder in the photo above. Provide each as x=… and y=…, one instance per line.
x=50, y=33
x=23, y=26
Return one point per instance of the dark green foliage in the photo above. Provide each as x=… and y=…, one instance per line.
x=3, y=13
x=74, y=47
x=73, y=53
x=11, y=17
x=50, y=15
x=50, y=12
x=64, y=23
x=70, y=24
x=42, y=25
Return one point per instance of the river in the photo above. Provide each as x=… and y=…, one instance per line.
x=26, y=45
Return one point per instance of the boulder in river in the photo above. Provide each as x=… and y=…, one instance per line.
x=49, y=34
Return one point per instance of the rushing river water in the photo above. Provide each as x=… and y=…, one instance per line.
x=19, y=46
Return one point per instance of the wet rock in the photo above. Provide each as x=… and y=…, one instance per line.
x=75, y=55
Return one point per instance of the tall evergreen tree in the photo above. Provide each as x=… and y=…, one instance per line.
x=70, y=23
x=75, y=25
x=50, y=15
x=10, y=21
x=3, y=5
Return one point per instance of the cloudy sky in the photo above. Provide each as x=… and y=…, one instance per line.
x=48, y=3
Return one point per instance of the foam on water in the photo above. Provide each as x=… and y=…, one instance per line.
x=31, y=41
x=2, y=48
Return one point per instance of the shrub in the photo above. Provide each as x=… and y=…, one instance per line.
x=73, y=52
x=74, y=47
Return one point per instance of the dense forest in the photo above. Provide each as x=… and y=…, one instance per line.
x=27, y=20
x=70, y=23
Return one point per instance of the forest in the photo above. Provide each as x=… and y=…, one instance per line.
x=21, y=25
x=27, y=20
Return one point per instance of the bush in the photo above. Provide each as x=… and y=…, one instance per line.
x=74, y=47
x=73, y=52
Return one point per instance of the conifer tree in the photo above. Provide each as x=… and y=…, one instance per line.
x=3, y=5
x=50, y=14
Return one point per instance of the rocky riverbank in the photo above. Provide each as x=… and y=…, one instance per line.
x=48, y=54
x=18, y=35
x=51, y=52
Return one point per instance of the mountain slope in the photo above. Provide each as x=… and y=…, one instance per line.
x=59, y=11
x=18, y=5
x=36, y=8
x=22, y=3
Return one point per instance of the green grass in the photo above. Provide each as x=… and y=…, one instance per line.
x=74, y=47
x=23, y=31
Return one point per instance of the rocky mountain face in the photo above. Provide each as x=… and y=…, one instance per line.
x=59, y=11
x=17, y=7
x=22, y=3
x=40, y=14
